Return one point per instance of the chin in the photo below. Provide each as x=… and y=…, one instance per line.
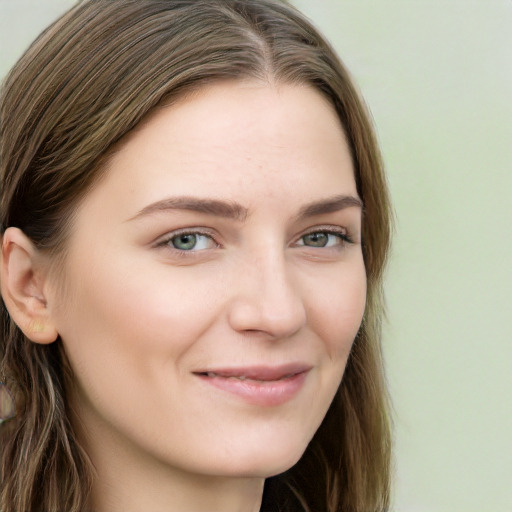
x=263, y=462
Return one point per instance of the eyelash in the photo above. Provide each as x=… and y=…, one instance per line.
x=343, y=236
x=166, y=241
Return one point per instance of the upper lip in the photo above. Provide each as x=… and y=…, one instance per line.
x=264, y=373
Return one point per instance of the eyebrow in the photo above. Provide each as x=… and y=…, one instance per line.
x=330, y=205
x=226, y=209
x=233, y=210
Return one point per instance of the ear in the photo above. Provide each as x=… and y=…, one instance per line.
x=22, y=280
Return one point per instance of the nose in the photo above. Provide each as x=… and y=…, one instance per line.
x=267, y=299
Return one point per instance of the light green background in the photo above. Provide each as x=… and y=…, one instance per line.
x=438, y=78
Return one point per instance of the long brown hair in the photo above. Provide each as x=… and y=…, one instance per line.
x=86, y=82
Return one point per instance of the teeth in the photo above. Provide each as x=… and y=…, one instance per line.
x=212, y=375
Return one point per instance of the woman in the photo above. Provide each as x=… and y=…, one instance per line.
x=195, y=223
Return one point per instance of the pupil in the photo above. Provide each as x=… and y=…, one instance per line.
x=185, y=242
x=316, y=239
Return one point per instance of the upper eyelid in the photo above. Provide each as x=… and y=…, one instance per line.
x=326, y=227
x=331, y=229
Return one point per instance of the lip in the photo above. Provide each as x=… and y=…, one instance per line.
x=258, y=385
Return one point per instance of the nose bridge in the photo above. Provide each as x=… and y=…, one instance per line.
x=269, y=298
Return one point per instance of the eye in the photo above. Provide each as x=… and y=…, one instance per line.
x=190, y=242
x=323, y=239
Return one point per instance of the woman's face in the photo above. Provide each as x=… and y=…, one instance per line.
x=214, y=283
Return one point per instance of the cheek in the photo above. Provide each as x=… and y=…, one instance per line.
x=118, y=315
x=128, y=334
x=336, y=311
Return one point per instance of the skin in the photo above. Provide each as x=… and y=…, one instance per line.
x=139, y=318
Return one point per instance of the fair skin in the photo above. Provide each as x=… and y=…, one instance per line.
x=213, y=285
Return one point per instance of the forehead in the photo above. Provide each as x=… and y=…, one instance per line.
x=243, y=139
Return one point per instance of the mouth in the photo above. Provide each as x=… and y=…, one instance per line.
x=212, y=375
x=261, y=385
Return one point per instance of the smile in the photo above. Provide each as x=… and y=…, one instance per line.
x=262, y=386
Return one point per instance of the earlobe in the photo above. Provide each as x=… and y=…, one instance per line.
x=22, y=285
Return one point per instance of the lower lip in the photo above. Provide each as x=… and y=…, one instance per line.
x=255, y=392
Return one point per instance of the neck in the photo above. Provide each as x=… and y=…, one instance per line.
x=134, y=491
